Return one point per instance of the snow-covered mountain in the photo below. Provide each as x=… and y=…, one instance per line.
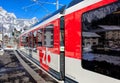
x=8, y=22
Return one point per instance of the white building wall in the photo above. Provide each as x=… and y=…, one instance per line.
x=0, y=37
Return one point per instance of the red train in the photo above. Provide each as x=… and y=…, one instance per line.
x=78, y=43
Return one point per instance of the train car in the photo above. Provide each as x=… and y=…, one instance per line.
x=44, y=43
x=79, y=43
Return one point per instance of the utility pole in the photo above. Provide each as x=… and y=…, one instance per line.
x=57, y=4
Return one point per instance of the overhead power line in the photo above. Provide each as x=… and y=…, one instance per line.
x=41, y=2
x=25, y=8
x=54, y=3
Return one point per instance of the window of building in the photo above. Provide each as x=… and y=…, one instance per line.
x=48, y=36
x=102, y=57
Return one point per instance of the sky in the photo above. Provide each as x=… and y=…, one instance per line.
x=27, y=9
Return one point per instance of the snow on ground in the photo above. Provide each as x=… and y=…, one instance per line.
x=102, y=57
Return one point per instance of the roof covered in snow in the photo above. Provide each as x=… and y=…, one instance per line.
x=89, y=34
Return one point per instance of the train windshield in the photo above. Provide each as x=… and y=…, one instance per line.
x=101, y=40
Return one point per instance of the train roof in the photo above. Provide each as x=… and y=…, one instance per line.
x=73, y=2
x=61, y=10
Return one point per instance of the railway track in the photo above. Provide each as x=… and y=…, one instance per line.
x=11, y=70
x=15, y=68
x=34, y=70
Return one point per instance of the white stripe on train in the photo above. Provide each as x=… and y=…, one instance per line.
x=81, y=5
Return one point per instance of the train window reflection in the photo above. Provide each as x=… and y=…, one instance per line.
x=27, y=40
x=34, y=39
x=40, y=37
x=101, y=40
x=31, y=39
x=23, y=40
x=48, y=36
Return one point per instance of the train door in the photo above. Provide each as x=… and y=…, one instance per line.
x=34, y=50
x=52, y=51
x=40, y=46
x=62, y=52
x=48, y=48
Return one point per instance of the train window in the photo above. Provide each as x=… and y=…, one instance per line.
x=48, y=36
x=31, y=39
x=23, y=41
x=27, y=40
x=101, y=40
x=52, y=37
x=40, y=37
x=34, y=39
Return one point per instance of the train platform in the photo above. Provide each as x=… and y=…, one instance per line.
x=16, y=69
x=11, y=71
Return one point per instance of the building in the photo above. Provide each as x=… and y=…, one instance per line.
x=90, y=39
x=0, y=40
x=6, y=40
x=0, y=36
x=111, y=35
